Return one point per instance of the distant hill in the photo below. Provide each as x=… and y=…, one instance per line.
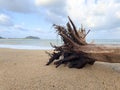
x=1, y=37
x=32, y=37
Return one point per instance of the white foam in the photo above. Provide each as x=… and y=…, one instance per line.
x=25, y=47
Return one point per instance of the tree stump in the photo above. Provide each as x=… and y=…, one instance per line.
x=76, y=52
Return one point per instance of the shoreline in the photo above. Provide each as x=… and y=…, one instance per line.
x=29, y=47
x=25, y=47
x=25, y=70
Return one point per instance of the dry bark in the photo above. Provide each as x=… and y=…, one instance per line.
x=76, y=52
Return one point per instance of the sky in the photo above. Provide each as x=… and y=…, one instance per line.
x=21, y=18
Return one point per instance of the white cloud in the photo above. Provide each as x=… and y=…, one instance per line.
x=19, y=27
x=21, y=6
x=38, y=30
x=53, y=10
x=117, y=14
x=54, y=18
x=44, y=2
x=5, y=20
x=97, y=14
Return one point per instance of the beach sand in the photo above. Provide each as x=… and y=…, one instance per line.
x=26, y=70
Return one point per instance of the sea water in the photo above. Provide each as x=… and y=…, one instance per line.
x=29, y=43
x=44, y=44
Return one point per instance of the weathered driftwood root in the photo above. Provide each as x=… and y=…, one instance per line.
x=75, y=52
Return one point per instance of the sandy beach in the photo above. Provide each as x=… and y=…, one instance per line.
x=26, y=70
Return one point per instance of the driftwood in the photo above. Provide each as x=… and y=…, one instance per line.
x=76, y=52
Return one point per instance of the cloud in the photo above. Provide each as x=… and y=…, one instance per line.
x=5, y=20
x=95, y=14
x=20, y=6
x=54, y=18
x=45, y=2
x=19, y=27
x=54, y=10
x=38, y=30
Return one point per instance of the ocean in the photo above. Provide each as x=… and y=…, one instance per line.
x=44, y=44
